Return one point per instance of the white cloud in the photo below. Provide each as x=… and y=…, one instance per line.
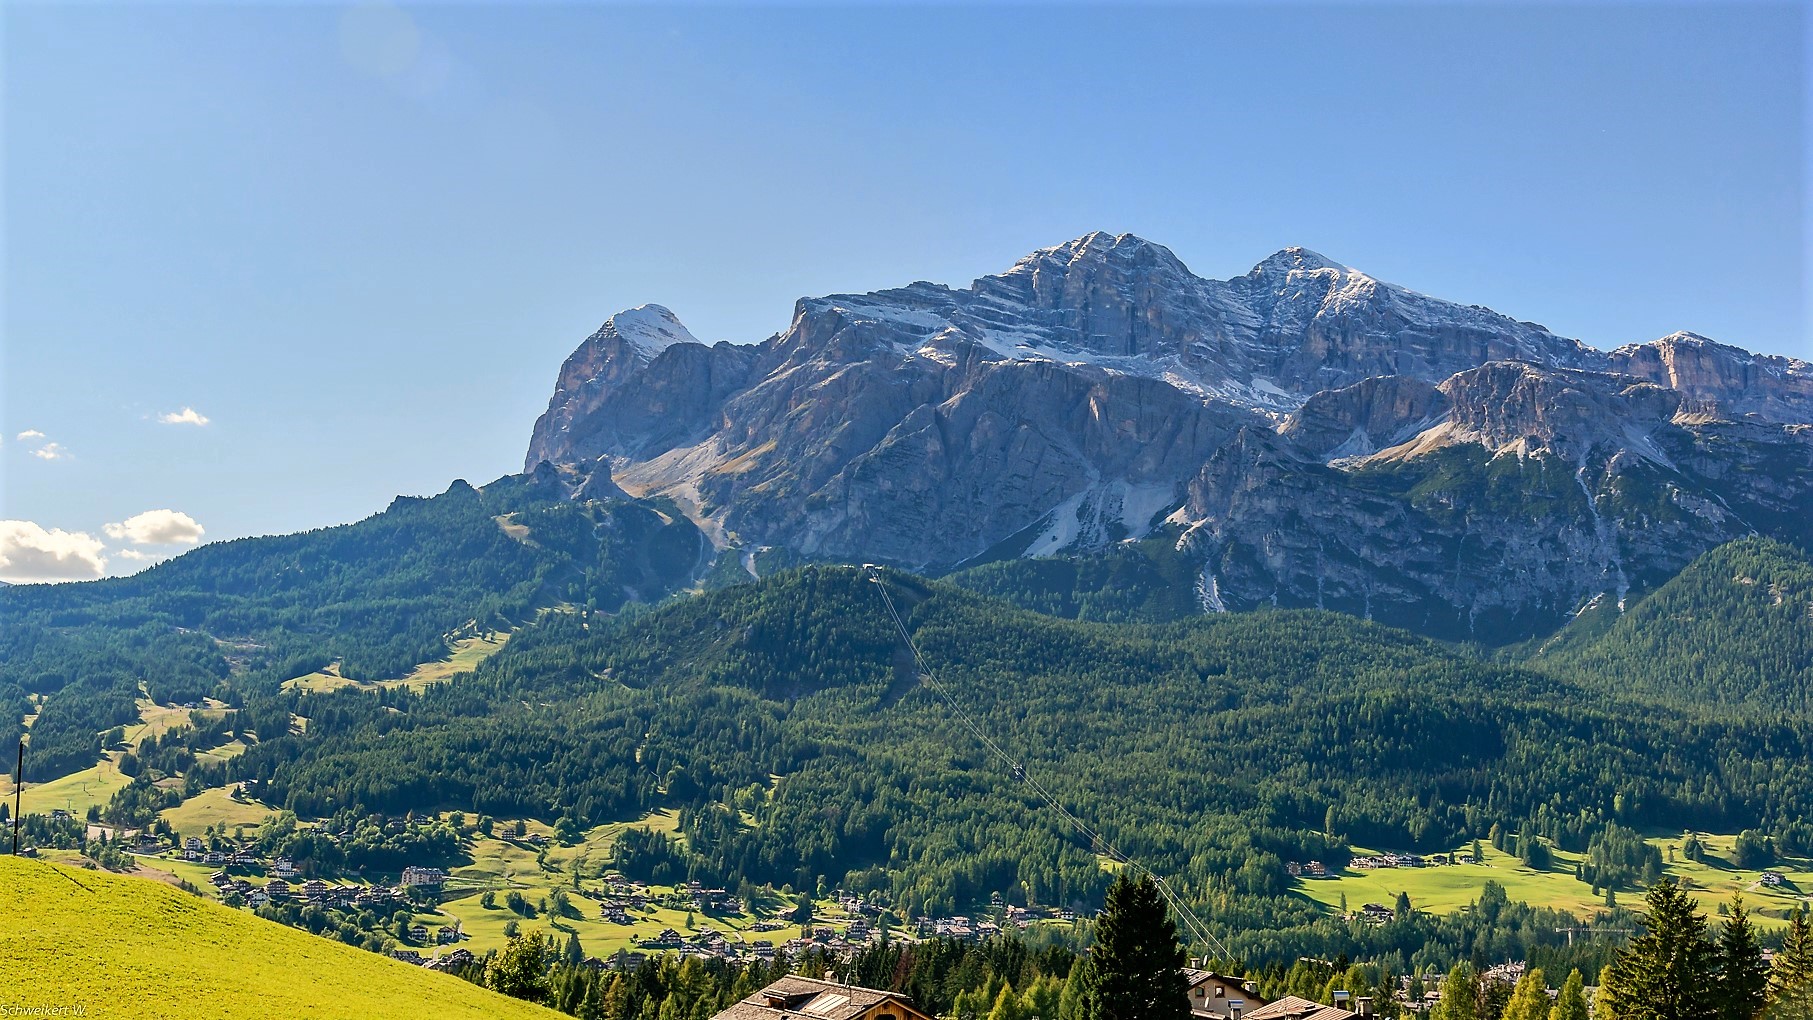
x=133, y=554
x=28, y=435
x=186, y=416
x=29, y=552
x=50, y=451
x=157, y=527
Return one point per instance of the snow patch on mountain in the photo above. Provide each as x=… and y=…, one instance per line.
x=649, y=329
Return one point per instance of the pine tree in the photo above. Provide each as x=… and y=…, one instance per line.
x=1530, y=999
x=1571, y=1005
x=1743, y=977
x=1042, y=999
x=591, y=1007
x=617, y=999
x=1794, y=964
x=1605, y=1001
x=1007, y=1006
x=1136, y=965
x=1665, y=973
x=573, y=953
x=1073, y=1004
x=1460, y=996
x=1494, y=996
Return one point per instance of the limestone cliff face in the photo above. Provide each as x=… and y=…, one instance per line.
x=1719, y=380
x=1317, y=436
x=1536, y=492
x=1363, y=418
x=1570, y=414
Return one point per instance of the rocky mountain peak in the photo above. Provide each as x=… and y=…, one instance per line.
x=1313, y=424
x=647, y=329
x=1129, y=270
x=1098, y=247
x=1296, y=260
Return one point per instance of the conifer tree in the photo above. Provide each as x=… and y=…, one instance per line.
x=1530, y=999
x=617, y=999
x=1007, y=1006
x=1794, y=964
x=1073, y=1004
x=1136, y=965
x=591, y=1006
x=1460, y=996
x=1743, y=983
x=1571, y=1004
x=1666, y=972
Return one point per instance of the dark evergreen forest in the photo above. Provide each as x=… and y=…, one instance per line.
x=786, y=722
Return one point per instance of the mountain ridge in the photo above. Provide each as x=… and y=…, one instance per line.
x=1082, y=395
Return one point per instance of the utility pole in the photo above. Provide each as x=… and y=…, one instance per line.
x=18, y=791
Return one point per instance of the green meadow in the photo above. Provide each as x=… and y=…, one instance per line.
x=464, y=655
x=1444, y=889
x=118, y=946
x=505, y=864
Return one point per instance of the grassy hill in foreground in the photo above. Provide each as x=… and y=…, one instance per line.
x=127, y=947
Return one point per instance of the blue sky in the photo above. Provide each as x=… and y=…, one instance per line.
x=359, y=241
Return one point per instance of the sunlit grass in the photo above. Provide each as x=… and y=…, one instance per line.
x=119, y=946
x=1445, y=889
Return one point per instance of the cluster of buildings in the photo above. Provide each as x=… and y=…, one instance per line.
x=710, y=901
x=314, y=892
x=1219, y=997
x=1374, y=914
x=622, y=895
x=1375, y=861
x=440, y=961
x=1212, y=997
x=959, y=927
x=196, y=852
x=282, y=886
x=708, y=942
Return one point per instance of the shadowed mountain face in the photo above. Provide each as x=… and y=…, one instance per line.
x=1310, y=435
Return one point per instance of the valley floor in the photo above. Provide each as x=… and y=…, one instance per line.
x=1448, y=888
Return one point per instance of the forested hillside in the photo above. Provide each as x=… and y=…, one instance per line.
x=1134, y=582
x=784, y=719
x=377, y=597
x=1733, y=629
